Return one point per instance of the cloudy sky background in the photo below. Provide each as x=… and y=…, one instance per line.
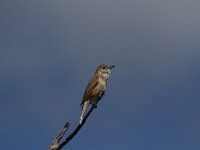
x=50, y=48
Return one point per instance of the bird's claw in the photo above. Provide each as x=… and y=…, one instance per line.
x=94, y=106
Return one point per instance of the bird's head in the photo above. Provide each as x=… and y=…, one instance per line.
x=104, y=70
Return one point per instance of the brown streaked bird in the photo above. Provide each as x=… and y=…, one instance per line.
x=95, y=88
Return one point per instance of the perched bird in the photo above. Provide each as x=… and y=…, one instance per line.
x=95, y=88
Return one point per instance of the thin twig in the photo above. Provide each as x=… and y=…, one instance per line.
x=55, y=145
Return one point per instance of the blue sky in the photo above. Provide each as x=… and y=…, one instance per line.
x=49, y=50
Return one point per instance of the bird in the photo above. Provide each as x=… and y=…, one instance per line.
x=96, y=87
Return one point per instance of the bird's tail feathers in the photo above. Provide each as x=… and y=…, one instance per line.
x=84, y=107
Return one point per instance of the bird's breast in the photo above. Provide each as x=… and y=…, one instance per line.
x=102, y=84
x=100, y=87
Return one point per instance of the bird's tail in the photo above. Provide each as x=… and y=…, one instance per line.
x=84, y=107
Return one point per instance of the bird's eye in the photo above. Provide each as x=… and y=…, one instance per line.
x=103, y=67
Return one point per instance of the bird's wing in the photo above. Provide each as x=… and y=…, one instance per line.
x=91, y=85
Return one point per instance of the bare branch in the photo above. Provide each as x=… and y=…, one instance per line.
x=55, y=145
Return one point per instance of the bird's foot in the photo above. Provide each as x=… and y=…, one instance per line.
x=94, y=106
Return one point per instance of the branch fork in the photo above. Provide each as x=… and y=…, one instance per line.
x=56, y=144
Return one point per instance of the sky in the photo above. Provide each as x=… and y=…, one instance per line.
x=49, y=49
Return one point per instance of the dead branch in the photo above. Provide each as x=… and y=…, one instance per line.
x=56, y=145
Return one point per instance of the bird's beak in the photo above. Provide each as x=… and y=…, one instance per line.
x=112, y=66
